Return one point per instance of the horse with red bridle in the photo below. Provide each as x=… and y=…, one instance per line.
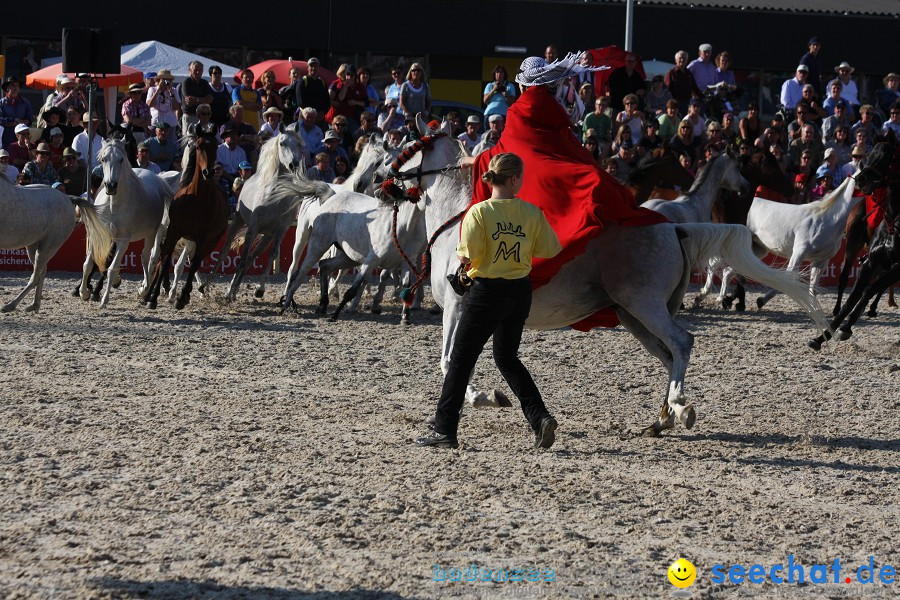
x=198, y=213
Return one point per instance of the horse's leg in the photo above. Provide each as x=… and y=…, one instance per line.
x=150, y=256
x=406, y=282
x=101, y=281
x=246, y=259
x=315, y=249
x=294, y=271
x=855, y=242
x=877, y=287
x=272, y=264
x=726, y=300
x=815, y=272
x=794, y=262
x=327, y=266
x=867, y=274
x=237, y=221
x=35, y=282
x=891, y=302
x=179, y=271
x=383, y=280
x=873, y=307
x=711, y=267
x=199, y=247
x=84, y=289
x=113, y=271
x=364, y=271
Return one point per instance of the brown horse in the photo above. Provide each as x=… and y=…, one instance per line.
x=857, y=233
x=659, y=166
x=198, y=213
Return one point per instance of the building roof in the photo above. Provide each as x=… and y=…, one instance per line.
x=879, y=8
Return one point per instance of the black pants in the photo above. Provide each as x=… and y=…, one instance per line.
x=498, y=307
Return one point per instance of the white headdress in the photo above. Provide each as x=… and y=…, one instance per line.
x=536, y=71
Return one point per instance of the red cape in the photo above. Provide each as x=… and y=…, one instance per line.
x=562, y=179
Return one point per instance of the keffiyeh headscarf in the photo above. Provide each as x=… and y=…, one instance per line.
x=536, y=71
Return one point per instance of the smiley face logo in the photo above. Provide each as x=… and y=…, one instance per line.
x=682, y=573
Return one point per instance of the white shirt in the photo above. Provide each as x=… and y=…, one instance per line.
x=80, y=145
x=151, y=166
x=469, y=142
x=11, y=172
x=161, y=110
x=848, y=92
x=791, y=93
x=230, y=159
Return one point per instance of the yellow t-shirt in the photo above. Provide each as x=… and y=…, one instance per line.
x=500, y=237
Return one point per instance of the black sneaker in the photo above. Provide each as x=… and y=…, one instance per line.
x=546, y=433
x=438, y=440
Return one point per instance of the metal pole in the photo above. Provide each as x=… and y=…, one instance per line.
x=629, y=24
x=90, y=157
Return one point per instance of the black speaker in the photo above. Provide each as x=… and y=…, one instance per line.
x=91, y=51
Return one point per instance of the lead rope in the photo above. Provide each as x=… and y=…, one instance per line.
x=408, y=294
x=412, y=266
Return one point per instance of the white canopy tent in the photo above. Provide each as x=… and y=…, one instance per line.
x=151, y=56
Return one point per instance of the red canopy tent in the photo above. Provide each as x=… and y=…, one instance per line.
x=613, y=57
x=45, y=79
x=282, y=69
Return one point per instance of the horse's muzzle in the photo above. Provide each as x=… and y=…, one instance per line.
x=111, y=188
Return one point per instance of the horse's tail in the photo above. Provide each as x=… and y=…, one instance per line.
x=734, y=243
x=239, y=239
x=295, y=184
x=99, y=237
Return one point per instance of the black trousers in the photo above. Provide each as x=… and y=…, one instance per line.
x=495, y=307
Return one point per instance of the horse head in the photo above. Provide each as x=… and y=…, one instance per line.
x=881, y=165
x=113, y=160
x=762, y=168
x=124, y=133
x=732, y=179
x=291, y=149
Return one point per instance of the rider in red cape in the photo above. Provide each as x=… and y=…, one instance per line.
x=561, y=177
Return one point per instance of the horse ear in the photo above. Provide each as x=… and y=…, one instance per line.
x=446, y=127
x=292, y=127
x=421, y=125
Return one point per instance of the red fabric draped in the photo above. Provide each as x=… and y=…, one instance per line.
x=875, y=208
x=563, y=180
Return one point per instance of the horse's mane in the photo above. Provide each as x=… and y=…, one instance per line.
x=826, y=204
x=703, y=175
x=649, y=161
x=269, y=163
x=187, y=169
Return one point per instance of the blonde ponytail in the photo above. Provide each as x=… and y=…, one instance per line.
x=502, y=167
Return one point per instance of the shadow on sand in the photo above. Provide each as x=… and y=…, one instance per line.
x=187, y=588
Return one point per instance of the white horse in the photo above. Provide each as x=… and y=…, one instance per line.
x=131, y=203
x=640, y=272
x=266, y=221
x=801, y=232
x=41, y=219
x=696, y=205
x=360, y=228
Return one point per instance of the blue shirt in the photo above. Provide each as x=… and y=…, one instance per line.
x=704, y=73
x=496, y=104
x=157, y=149
x=10, y=111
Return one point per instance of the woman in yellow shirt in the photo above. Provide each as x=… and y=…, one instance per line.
x=499, y=237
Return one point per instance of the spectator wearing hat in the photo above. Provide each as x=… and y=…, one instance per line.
x=71, y=173
x=623, y=81
x=249, y=99
x=889, y=94
x=135, y=112
x=70, y=96
x=321, y=170
x=221, y=96
x=230, y=154
x=149, y=82
x=6, y=169
x=792, y=89
x=857, y=155
x=624, y=159
x=893, y=122
x=824, y=183
x=333, y=147
x=496, y=123
x=52, y=118
x=163, y=100
x=272, y=125
x=801, y=189
x=41, y=170
x=14, y=110
x=832, y=163
x=143, y=159
x=20, y=150
x=312, y=92
x=849, y=92
x=840, y=118
x=470, y=137
x=56, y=146
x=390, y=115
x=702, y=68
x=194, y=91
x=245, y=172
x=163, y=148
x=811, y=60
x=681, y=82
x=656, y=99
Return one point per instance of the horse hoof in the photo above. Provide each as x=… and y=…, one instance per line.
x=117, y=284
x=321, y=310
x=375, y=310
x=872, y=313
x=259, y=293
x=31, y=308
x=151, y=305
x=180, y=305
x=500, y=399
x=814, y=344
x=201, y=288
x=95, y=297
x=7, y=308
x=740, y=307
x=85, y=295
x=760, y=303
x=843, y=334
x=76, y=292
x=332, y=318
x=651, y=431
x=688, y=416
x=405, y=321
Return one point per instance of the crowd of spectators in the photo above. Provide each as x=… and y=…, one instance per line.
x=822, y=129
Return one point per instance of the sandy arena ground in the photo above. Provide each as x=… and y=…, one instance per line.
x=227, y=451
